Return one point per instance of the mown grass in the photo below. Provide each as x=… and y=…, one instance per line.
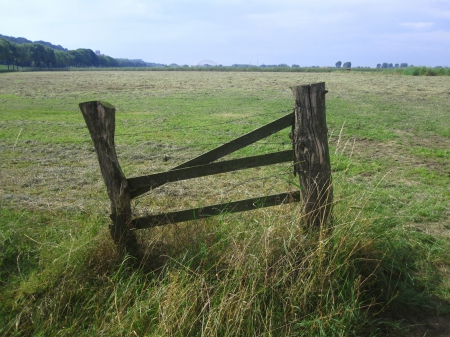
x=382, y=268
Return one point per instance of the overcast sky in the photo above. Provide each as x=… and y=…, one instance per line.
x=307, y=33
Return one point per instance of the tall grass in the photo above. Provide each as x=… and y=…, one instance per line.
x=258, y=274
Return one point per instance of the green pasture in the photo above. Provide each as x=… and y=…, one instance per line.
x=383, y=269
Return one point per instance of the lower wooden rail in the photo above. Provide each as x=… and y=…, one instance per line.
x=214, y=210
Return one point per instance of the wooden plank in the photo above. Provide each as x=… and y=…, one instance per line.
x=241, y=142
x=140, y=185
x=209, y=211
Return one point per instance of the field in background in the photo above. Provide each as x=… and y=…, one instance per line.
x=389, y=138
x=411, y=71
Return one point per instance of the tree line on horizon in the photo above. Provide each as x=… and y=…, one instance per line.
x=41, y=54
x=386, y=65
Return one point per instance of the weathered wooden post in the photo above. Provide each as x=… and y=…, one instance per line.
x=311, y=155
x=100, y=119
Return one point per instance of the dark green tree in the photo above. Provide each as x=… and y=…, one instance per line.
x=8, y=52
x=107, y=61
x=84, y=58
x=38, y=55
x=338, y=64
x=63, y=59
x=50, y=58
x=24, y=55
x=4, y=51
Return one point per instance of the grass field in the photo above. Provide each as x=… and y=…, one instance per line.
x=384, y=270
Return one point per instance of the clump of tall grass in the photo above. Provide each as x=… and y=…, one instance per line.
x=256, y=274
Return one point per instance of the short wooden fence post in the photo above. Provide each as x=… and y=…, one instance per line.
x=100, y=120
x=311, y=154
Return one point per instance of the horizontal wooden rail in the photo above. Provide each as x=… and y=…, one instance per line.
x=235, y=144
x=241, y=142
x=209, y=211
x=140, y=185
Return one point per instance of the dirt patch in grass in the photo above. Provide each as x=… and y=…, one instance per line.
x=398, y=153
x=441, y=229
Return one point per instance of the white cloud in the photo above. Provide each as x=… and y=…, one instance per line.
x=417, y=25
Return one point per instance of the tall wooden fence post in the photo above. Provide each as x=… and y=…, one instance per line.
x=100, y=120
x=311, y=154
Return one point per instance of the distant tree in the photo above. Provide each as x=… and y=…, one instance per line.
x=403, y=65
x=15, y=39
x=63, y=59
x=12, y=55
x=378, y=66
x=107, y=61
x=295, y=66
x=135, y=63
x=50, y=59
x=5, y=52
x=390, y=65
x=347, y=65
x=384, y=65
x=338, y=64
x=52, y=46
x=244, y=66
x=396, y=65
x=85, y=58
x=38, y=55
x=153, y=65
x=24, y=54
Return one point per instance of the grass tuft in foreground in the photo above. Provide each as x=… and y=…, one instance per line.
x=257, y=274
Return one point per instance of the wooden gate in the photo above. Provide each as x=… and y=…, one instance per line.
x=309, y=154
